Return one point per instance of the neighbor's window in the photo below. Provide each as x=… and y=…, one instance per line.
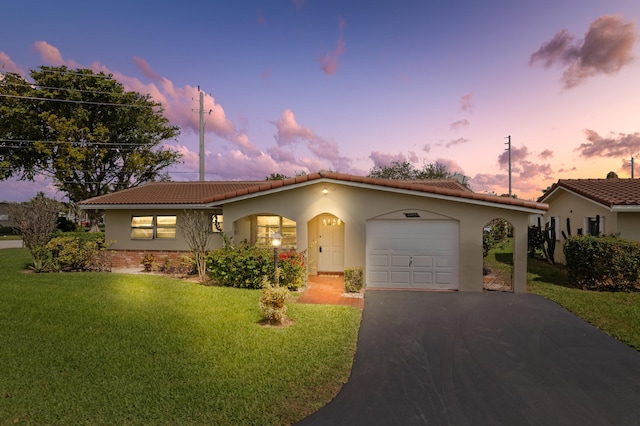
x=595, y=225
x=213, y=222
x=269, y=225
x=150, y=227
x=4, y=216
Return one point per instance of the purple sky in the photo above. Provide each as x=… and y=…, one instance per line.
x=306, y=85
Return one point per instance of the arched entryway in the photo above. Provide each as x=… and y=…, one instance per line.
x=498, y=255
x=326, y=245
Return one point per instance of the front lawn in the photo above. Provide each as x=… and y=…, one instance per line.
x=100, y=348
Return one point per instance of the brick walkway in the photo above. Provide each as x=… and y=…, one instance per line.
x=328, y=290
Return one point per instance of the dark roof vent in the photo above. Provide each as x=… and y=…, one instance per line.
x=411, y=214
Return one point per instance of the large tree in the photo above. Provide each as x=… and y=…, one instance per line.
x=404, y=170
x=83, y=130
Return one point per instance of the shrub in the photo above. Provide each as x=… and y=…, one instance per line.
x=353, y=281
x=149, y=262
x=245, y=266
x=603, y=263
x=273, y=302
x=242, y=267
x=77, y=251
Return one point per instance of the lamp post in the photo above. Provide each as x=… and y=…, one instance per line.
x=276, y=241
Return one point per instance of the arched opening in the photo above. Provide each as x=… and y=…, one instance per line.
x=326, y=245
x=497, y=251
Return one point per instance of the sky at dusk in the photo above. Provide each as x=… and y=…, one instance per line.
x=305, y=85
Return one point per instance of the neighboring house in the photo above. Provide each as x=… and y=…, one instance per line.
x=593, y=206
x=403, y=234
x=5, y=219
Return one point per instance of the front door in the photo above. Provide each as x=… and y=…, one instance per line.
x=330, y=244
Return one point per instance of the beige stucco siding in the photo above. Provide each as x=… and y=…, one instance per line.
x=629, y=225
x=118, y=230
x=568, y=205
x=356, y=205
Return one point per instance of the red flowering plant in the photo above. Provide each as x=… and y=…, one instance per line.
x=292, y=270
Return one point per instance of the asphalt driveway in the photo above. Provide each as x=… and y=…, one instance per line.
x=483, y=359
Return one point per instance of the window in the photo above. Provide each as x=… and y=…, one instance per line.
x=594, y=225
x=269, y=225
x=4, y=216
x=150, y=227
x=220, y=219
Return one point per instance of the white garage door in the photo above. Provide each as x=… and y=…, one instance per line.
x=412, y=254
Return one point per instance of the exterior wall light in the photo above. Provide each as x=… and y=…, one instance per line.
x=325, y=191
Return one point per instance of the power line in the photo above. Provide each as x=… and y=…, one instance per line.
x=77, y=102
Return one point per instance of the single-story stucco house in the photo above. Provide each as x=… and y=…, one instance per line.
x=405, y=235
x=593, y=206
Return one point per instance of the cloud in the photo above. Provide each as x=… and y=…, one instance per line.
x=7, y=65
x=518, y=155
x=143, y=66
x=622, y=145
x=451, y=165
x=459, y=124
x=467, y=102
x=261, y=18
x=426, y=147
x=51, y=55
x=458, y=141
x=546, y=154
x=329, y=61
x=299, y=3
x=606, y=48
x=383, y=159
x=290, y=133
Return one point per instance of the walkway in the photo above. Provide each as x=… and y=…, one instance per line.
x=329, y=290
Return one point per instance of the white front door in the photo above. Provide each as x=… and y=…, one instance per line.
x=330, y=244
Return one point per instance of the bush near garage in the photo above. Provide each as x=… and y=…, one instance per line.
x=245, y=266
x=76, y=251
x=603, y=263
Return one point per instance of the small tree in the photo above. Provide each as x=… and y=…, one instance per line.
x=195, y=226
x=36, y=220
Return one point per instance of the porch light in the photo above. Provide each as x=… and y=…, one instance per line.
x=325, y=191
x=276, y=241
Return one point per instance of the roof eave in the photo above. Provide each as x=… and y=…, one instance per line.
x=147, y=206
x=626, y=208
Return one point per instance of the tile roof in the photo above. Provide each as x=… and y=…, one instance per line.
x=608, y=192
x=169, y=193
x=218, y=192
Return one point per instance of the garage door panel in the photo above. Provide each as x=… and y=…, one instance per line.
x=413, y=254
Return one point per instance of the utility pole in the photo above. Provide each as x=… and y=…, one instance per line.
x=509, y=149
x=201, y=134
x=632, y=167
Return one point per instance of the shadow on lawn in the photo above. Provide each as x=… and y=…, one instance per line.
x=544, y=271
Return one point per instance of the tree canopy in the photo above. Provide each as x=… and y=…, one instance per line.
x=404, y=170
x=83, y=130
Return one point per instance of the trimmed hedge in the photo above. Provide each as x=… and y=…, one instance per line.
x=603, y=263
x=353, y=280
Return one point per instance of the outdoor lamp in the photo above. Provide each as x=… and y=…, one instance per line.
x=276, y=241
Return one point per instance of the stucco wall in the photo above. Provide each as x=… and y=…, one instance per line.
x=355, y=206
x=118, y=230
x=629, y=225
x=567, y=205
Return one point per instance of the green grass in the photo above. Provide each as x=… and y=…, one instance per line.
x=500, y=261
x=100, y=348
x=617, y=314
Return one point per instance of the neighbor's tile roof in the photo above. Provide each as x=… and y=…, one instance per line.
x=609, y=192
x=218, y=192
x=170, y=193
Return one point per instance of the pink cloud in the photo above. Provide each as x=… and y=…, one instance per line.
x=299, y=3
x=452, y=165
x=467, y=102
x=606, y=48
x=458, y=141
x=51, y=55
x=261, y=18
x=459, y=124
x=289, y=131
x=621, y=145
x=546, y=154
x=382, y=159
x=7, y=65
x=329, y=61
x=146, y=69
